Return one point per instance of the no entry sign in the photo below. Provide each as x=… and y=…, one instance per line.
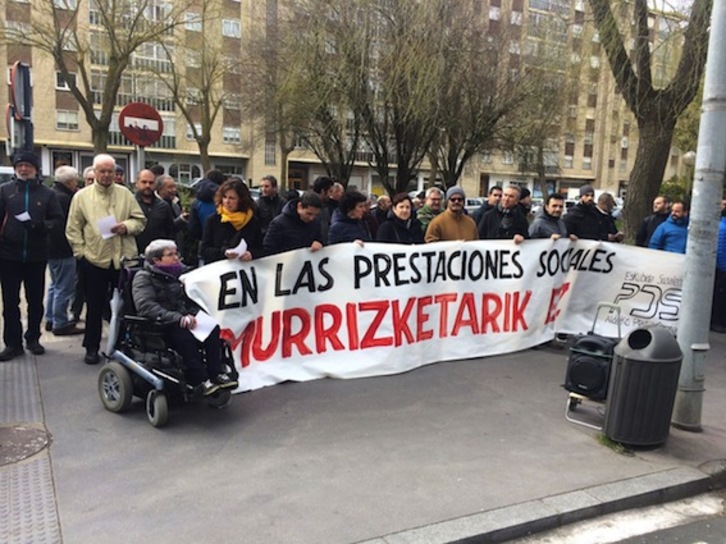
x=141, y=124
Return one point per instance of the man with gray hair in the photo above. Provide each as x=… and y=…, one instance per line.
x=61, y=263
x=431, y=208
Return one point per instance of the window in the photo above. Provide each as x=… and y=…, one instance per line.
x=61, y=83
x=65, y=4
x=231, y=135
x=231, y=28
x=157, y=11
x=194, y=95
x=590, y=126
x=595, y=61
x=486, y=157
x=190, y=132
x=193, y=22
x=507, y=157
x=155, y=56
x=66, y=120
x=515, y=18
x=232, y=101
x=94, y=12
x=194, y=58
x=587, y=163
x=270, y=149
x=495, y=13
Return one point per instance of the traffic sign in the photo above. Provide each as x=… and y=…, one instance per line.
x=141, y=124
x=20, y=92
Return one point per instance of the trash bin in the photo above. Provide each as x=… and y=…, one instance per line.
x=644, y=379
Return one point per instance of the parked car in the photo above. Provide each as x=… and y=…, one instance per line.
x=6, y=172
x=473, y=204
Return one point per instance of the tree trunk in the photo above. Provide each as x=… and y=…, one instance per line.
x=99, y=137
x=204, y=156
x=654, y=144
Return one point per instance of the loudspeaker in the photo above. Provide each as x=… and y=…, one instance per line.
x=588, y=368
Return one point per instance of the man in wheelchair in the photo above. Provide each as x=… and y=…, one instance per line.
x=159, y=295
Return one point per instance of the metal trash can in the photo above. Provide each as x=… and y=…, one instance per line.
x=643, y=384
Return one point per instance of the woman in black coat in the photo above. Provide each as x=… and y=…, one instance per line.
x=347, y=223
x=235, y=220
x=400, y=227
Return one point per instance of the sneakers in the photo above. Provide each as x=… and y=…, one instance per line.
x=92, y=357
x=10, y=352
x=225, y=382
x=68, y=330
x=208, y=388
x=48, y=326
x=35, y=348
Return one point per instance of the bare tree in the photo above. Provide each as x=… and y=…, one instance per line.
x=93, y=54
x=201, y=85
x=656, y=109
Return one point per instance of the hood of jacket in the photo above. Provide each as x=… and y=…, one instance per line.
x=206, y=190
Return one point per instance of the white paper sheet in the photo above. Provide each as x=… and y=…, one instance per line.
x=105, y=224
x=239, y=250
x=23, y=217
x=205, y=325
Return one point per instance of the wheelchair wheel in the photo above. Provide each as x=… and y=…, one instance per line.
x=157, y=409
x=115, y=387
x=219, y=399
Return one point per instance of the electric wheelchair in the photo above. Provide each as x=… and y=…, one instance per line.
x=140, y=364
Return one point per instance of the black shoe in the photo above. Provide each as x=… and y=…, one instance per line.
x=208, y=387
x=10, y=352
x=68, y=330
x=92, y=357
x=35, y=348
x=48, y=325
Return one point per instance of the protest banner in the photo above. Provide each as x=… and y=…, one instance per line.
x=348, y=311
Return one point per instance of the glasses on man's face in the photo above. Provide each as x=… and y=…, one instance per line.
x=456, y=199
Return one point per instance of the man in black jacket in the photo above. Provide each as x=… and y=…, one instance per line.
x=28, y=211
x=505, y=221
x=159, y=215
x=269, y=205
x=61, y=263
x=296, y=227
x=650, y=223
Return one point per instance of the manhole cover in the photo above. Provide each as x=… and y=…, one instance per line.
x=18, y=442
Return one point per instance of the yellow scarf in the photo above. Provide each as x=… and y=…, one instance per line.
x=238, y=219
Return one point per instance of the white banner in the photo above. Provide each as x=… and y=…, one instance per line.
x=349, y=311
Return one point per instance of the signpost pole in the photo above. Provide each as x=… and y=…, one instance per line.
x=140, y=158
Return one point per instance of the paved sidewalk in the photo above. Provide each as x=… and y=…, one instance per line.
x=448, y=452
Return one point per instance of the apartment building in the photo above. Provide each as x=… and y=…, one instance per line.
x=597, y=142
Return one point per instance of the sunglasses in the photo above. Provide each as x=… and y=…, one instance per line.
x=456, y=199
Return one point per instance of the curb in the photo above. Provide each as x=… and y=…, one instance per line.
x=524, y=519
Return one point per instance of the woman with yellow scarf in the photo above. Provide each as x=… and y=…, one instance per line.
x=235, y=220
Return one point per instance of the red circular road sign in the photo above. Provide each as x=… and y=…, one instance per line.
x=140, y=123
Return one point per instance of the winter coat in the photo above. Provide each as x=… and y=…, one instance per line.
x=287, y=231
x=268, y=207
x=545, y=225
x=721, y=248
x=671, y=235
x=397, y=231
x=218, y=237
x=425, y=215
x=345, y=229
x=450, y=226
x=58, y=246
x=202, y=207
x=647, y=228
x=587, y=223
x=499, y=224
x=160, y=296
x=159, y=222
x=27, y=241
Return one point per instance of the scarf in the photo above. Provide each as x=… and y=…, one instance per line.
x=238, y=219
x=171, y=269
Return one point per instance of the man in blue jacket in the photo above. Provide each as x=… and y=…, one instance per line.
x=671, y=235
x=29, y=211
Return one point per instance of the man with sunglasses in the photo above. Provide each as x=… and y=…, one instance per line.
x=453, y=223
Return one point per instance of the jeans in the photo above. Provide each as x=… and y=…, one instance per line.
x=60, y=291
x=97, y=282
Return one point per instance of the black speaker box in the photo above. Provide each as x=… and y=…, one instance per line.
x=588, y=368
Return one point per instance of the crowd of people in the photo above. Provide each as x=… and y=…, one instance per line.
x=82, y=235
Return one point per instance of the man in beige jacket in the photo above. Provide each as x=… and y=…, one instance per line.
x=100, y=250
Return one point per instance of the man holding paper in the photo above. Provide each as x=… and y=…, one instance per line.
x=159, y=295
x=103, y=222
x=28, y=211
